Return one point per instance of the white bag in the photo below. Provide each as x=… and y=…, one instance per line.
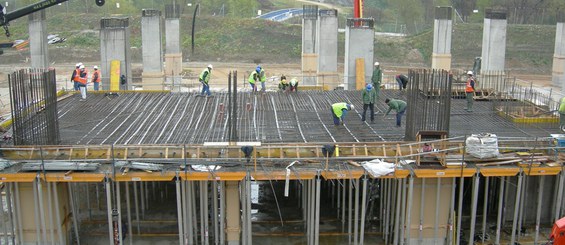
x=482, y=145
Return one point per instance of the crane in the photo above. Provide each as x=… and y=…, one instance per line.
x=5, y=17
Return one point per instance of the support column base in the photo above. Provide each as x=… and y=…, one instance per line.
x=152, y=81
x=441, y=61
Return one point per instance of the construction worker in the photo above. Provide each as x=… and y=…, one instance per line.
x=294, y=84
x=339, y=111
x=369, y=99
x=470, y=91
x=204, y=78
x=377, y=78
x=399, y=106
x=74, y=76
x=96, y=78
x=254, y=78
x=562, y=114
x=262, y=77
x=402, y=81
x=81, y=80
x=283, y=85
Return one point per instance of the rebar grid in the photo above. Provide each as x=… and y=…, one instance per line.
x=33, y=96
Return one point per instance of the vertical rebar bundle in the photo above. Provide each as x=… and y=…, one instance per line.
x=429, y=102
x=33, y=95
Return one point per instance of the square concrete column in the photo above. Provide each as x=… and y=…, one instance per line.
x=115, y=45
x=494, y=41
x=359, y=46
x=38, y=40
x=558, y=71
x=233, y=213
x=173, y=53
x=327, y=48
x=152, y=50
x=443, y=25
x=309, y=35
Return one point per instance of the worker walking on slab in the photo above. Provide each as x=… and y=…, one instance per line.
x=81, y=80
x=254, y=78
x=339, y=111
x=96, y=78
x=75, y=75
x=399, y=106
x=294, y=84
x=377, y=77
x=470, y=91
x=204, y=78
x=369, y=99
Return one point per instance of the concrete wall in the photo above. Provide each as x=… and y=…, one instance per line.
x=441, y=56
x=38, y=40
x=152, y=49
x=558, y=71
x=494, y=41
x=115, y=45
x=359, y=39
x=327, y=48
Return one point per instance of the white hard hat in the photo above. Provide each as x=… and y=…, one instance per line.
x=80, y=63
x=376, y=63
x=77, y=65
x=81, y=67
x=95, y=67
x=351, y=107
x=210, y=66
x=470, y=73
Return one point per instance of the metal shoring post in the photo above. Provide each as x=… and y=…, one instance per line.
x=49, y=214
x=356, y=214
x=4, y=225
x=304, y=201
x=343, y=207
x=516, y=208
x=422, y=201
x=500, y=205
x=136, y=204
x=128, y=207
x=338, y=199
x=37, y=219
x=11, y=211
x=109, y=208
x=397, y=211
x=409, y=208
x=119, y=209
x=387, y=210
x=317, y=210
x=142, y=199
x=311, y=203
x=402, y=210
x=538, y=211
x=485, y=207
x=474, y=208
x=57, y=214
x=248, y=200
x=146, y=197
x=363, y=210
x=350, y=209
x=19, y=213
x=459, y=210
x=559, y=198
x=204, y=195
x=525, y=181
x=179, y=210
x=436, y=220
x=222, y=212
x=214, y=200
x=98, y=196
x=332, y=193
x=184, y=210
x=451, y=212
x=88, y=201
x=242, y=197
x=202, y=213
x=192, y=202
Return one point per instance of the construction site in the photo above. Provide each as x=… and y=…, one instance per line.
x=157, y=163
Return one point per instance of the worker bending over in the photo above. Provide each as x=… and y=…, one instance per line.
x=254, y=78
x=283, y=85
x=399, y=106
x=339, y=111
x=294, y=84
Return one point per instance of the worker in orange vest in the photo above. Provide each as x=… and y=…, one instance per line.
x=470, y=91
x=81, y=79
x=96, y=78
x=76, y=72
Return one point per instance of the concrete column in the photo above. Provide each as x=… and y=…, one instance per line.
x=558, y=71
x=359, y=44
x=27, y=200
x=233, y=215
x=327, y=48
x=429, y=199
x=441, y=56
x=115, y=45
x=494, y=41
x=173, y=53
x=38, y=40
x=309, y=52
x=152, y=76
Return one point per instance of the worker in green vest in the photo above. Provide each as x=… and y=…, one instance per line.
x=562, y=114
x=262, y=77
x=254, y=78
x=339, y=110
x=399, y=106
x=204, y=78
